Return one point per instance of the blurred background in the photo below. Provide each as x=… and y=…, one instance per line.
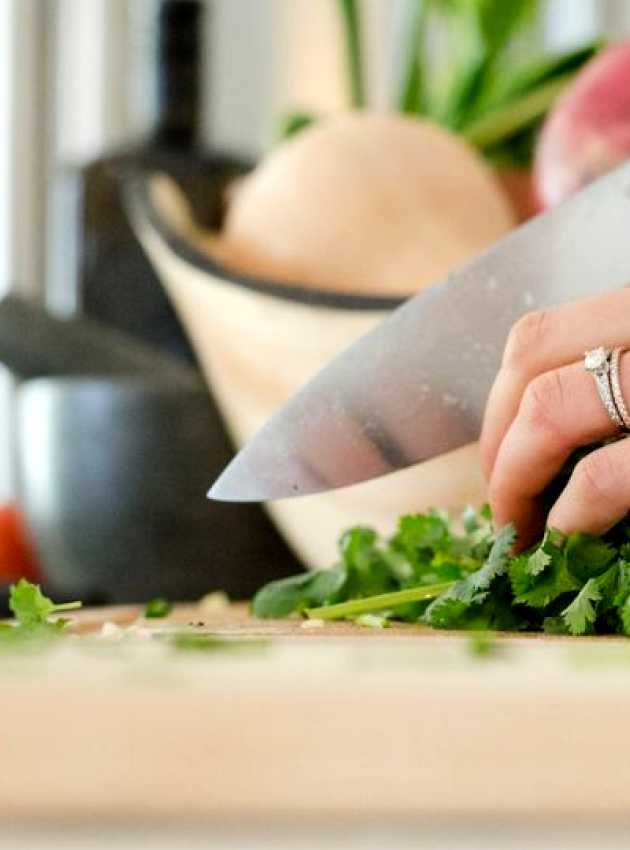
x=90, y=92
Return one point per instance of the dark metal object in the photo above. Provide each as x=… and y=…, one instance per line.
x=112, y=466
x=33, y=343
x=112, y=475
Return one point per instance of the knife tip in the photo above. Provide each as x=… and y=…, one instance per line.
x=216, y=492
x=230, y=487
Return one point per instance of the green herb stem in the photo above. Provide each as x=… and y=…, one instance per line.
x=508, y=120
x=352, y=31
x=67, y=606
x=381, y=602
x=413, y=88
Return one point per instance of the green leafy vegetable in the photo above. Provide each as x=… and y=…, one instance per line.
x=537, y=562
x=31, y=607
x=465, y=576
x=33, y=611
x=158, y=607
x=293, y=595
x=580, y=615
x=482, y=89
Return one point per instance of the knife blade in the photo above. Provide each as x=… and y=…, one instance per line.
x=416, y=386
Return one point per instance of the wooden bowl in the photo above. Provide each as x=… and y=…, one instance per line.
x=258, y=341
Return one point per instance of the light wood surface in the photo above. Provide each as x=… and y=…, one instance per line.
x=333, y=722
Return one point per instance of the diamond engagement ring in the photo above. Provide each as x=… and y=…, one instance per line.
x=598, y=363
x=615, y=385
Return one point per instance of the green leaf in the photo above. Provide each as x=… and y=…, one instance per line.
x=487, y=27
x=351, y=20
x=31, y=607
x=537, y=562
x=29, y=604
x=413, y=95
x=621, y=599
x=420, y=536
x=158, y=607
x=204, y=643
x=580, y=615
x=293, y=595
x=588, y=556
x=539, y=590
x=497, y=561
x=624, y=614
x=544, y=69
x=498, y=20
x=367, y=570
x=293, y=123
x=502, y=122
x=555, y=626
x=450, y=609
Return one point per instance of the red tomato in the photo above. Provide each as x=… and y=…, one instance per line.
x=17, y=557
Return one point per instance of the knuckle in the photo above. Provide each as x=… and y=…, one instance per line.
x=543, y=402
x=525, y=338
x=597, y=477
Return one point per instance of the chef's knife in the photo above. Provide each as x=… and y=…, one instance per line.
x=416, y=386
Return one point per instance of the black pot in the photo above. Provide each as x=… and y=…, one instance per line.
x=115, y=446
x=112, y=478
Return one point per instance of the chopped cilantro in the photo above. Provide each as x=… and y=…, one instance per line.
x=31, y=607
x=158, y=607
x=199, y=642
x=464, y=576
x=33, y=625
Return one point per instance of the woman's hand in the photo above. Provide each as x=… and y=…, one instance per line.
x=543, y=406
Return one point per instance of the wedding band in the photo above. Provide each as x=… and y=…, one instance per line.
x=597, y=362
x=615, y=385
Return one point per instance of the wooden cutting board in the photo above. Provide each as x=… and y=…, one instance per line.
x=338, y=721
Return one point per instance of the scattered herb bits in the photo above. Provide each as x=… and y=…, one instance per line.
x=158, y=607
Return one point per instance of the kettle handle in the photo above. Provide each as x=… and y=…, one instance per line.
x=34, y=344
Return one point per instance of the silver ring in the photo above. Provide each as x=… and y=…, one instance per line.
x=615, y=385
x=597, y=362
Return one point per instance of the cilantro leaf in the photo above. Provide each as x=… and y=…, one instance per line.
x=293, y=595
x=158, y=607
x=31, y=607
x=448, y=610
x=537, y=562
x=497, y=560
x=453, y=607
x=588, y=556
x=29, y=604
x=579, y=617
x=422, y=531
x=367, y=571
x=539, y=589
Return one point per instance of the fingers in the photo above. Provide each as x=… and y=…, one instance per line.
x=559, y=412
x=541, y=342
x=598, y=493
